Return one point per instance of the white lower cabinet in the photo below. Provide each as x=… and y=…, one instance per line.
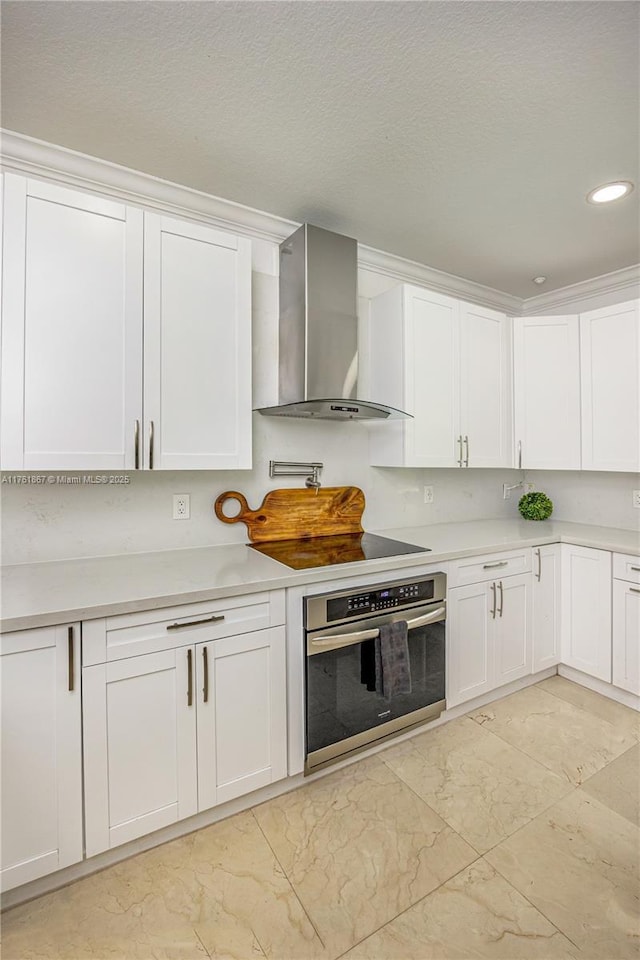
x=139, y=747
x=41, y=758
x=586, y=610
x=489, y=627
x=546, y=606
x=172, y=733
x=626, y=622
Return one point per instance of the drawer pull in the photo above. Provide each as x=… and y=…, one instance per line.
x=635, y=569
x=489, y=566
x=189, y=677
x=193, y=623
x=634, y=589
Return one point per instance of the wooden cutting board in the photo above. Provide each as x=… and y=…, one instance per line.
x=293, y=514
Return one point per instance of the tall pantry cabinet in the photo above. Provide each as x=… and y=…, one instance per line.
x=125, y=334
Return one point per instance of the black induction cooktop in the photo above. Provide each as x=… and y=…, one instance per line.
x=327, y=551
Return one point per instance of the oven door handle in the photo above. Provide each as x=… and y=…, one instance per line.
x=345, y=639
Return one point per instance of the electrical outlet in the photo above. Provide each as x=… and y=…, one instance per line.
x=428, y=494
x=181, y=506
x=636, y=498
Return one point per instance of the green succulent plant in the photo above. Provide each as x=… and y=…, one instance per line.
x=535, y=506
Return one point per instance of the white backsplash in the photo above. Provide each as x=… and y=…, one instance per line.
x=59, y=521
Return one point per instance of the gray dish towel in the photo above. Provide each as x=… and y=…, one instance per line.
x=393, y=670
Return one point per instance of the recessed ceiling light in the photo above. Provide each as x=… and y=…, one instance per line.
x=610, y=191
x=539, y=279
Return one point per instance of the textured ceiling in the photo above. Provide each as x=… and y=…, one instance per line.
x=463, y=135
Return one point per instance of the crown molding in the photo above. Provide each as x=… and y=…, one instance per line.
x=619, y=285
x=408, y=271
x=36, y=158
x=49, y=161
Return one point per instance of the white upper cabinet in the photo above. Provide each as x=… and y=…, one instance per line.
x=197, y=338
x=546, y=355
x=448, y=364
x=83, y=276
x=71, y=384
x=485, y=387
x=610, y=359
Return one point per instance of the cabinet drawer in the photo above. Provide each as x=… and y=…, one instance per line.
x=131, y=635
x=626, y=567
x=489, y=567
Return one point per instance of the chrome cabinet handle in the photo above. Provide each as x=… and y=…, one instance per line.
x=151, y=451
x=136, y=445
x=499, y=563
x=189, y=677
x=493, y=609
x=205, y=664
x=519, y=454
x=466, y=460
x=539, y=573
x=193, y=623
x=635, y=589
x=635, y=569
x=460, y=461
x=71, y=659
x=501, y=599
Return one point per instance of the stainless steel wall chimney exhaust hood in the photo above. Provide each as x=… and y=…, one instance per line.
x=318, y=362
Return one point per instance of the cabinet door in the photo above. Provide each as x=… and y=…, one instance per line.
x=41, y=758
x=586, y=610
x=485, y=387
x=197, y=347
x=242, y=735
x=414, y=365
x=546, y=607
x=513, y=647
x=610, y=360
x=626, y=636
x=71, y=329
x=139, y=746
x=546, y=354
x=470, y=642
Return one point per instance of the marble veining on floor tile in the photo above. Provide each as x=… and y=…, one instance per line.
x=475, y=914
x=481, y=786
x=578, y=863
x=359, y=847
x=218, y=891
x=564, y=738
x=617, y=786
x=369, y=858
x=624, y=718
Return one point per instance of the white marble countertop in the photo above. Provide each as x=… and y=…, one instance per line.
x=63, y=591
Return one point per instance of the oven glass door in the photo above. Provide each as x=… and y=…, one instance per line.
x=341, y=698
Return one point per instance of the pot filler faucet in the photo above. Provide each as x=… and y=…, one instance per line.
x=284, y=468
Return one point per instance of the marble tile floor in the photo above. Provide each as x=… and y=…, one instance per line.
x=512, y=832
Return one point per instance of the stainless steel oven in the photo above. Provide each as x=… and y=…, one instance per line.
x=344, y=713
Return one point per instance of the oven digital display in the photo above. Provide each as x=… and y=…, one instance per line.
x=374, y=601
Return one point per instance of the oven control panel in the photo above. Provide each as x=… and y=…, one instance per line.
x=378, y=600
